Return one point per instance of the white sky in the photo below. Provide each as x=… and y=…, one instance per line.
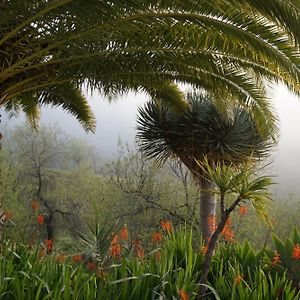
x=117, y=119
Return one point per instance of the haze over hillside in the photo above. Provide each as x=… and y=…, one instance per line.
x=117, y=120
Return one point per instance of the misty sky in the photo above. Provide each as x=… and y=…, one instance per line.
x=117, y=119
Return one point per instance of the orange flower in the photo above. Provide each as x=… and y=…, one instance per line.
x=212, y=222
x=49, y=245
x=40, y=219
x=137, y=243
x=296, y=252
x=60, y=258
x=115, y=238
x=124, y=233
x=77, y=258
x=7, y=215
x=42, y=252
x=183, y=294
x=140, y=253
x=238, y=279
x=157, y=255
x=276, y=259
x=166, y=225
x=91, y=266
x=34, y=205
x=227, y=233
x=115, y=250
x=204, y=249
x=243, y=210
x=156, y=237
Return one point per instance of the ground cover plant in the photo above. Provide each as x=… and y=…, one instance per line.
x=169, y=269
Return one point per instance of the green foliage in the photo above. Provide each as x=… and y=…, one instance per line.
x=201, y=131
x=289, y=258
x=226, y=47
x=237, y=272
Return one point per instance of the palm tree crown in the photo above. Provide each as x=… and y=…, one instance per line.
x=51, y=49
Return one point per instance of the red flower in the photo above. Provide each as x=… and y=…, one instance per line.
x=115, y=250
x=296, y=252
x=166, y=225
x=227, y=233
x=183, y=295
x=40, y=219
x=243, y=210
x=140, y=253
x=77, y=258
x=91, y=266
x=276, y=259
x=34, y=205
x=49, y=245
x=124, y=234
x=156, y=237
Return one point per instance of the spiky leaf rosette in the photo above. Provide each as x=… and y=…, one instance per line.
x=201, y=131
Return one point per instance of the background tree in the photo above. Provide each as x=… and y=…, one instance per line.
x=198, y=133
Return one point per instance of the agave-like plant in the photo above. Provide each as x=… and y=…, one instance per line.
x=201, y=133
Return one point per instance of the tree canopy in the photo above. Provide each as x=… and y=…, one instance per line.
x=51, y=50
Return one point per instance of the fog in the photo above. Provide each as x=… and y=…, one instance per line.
x=116, y=120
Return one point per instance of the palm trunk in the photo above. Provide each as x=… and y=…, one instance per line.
x=207, y=209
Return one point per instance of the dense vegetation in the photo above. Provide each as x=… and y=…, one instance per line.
x=99, y=222
x=86, y=196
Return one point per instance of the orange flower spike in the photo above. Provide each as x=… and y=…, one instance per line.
x=157, y=255
x=124, y=234
x=42, y=253
x=34, y=205
x=49, y=245
x=77, y=258
x=243, y=210
x=115, y=250
x=212, y=222
x=238, y=279
x=204, y=249
x=60, y=258
x=40, y=219
x=227, y=233
x=140, y=253
x=166, y=225
x=115, y=239
x=296, y=252
x=156, y=237
x=276, y=259
x=183, y=294
x=91, y=266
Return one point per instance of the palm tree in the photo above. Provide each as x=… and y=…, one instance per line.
x=201, y=133
x=50, y=50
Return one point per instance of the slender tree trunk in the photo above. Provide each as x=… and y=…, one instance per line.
x=208, y=256
x=49, y=227
x=207, y=209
